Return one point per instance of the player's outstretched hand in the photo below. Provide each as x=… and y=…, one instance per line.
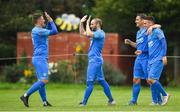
x=83, y=19
x=138, y=52
x=88, y=21
x=164, y=59
x=48, y=17
x=127, y=41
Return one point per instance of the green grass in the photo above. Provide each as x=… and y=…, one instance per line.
x=66, y=97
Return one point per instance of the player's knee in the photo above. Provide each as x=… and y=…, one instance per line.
x=45, y=81
x=136, y=80
x=90, y=83
x=101, y=81
x=151, y=81
x=148, y=82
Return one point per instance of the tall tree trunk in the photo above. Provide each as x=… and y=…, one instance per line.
x=177, y=63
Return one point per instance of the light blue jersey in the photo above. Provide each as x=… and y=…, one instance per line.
x=40, y=39
x=156, y=50
x=142, y=43
x=96, y=46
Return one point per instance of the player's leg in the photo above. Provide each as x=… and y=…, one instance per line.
x=91, y=71
x=42, y=93
x=44, y=78
x=37, y=85
x=42, y=74
x=89, y=89
x=153, y=94
x=136, y=82
x=159, y=98
x=155, y=73
x=151, y=79
x=105, y=85
x=135, y=91
x=156, y=97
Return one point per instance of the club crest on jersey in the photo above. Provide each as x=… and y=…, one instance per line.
x=140, y=40
x=150, y=43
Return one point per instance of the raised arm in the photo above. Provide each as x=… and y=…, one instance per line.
x=129, y=42
x=89, y=33
x=81, y=26
x=53, y=29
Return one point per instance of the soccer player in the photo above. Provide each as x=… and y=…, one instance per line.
x=40, y=56
x=157, y=48
x=95, y=59
x=141, y=62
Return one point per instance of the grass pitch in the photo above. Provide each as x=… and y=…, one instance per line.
x=66, y=97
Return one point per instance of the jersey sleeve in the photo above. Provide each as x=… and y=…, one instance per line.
x=53, y=29
x=164, y=47
x=48, y=26
x=49, y=30
x=98, y=34
x=160, y=34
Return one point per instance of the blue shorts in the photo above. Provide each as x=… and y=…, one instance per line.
x=140, y=68
x=41, y=67
x=95, y=72
x=155, y=70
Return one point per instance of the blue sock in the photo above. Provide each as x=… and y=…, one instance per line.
x=135, y=93
x=42, y=92
x=159, y=97
x=160, y=88
x=37, y=85
x=89, y=89
x=107, y=91
x=153, y=93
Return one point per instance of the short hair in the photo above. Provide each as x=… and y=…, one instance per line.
x=35, y=17
x=98, y=21
x=142, y=15
x=150, y=18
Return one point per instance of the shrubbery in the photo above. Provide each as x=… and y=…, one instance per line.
x=65, y=71
x=62, y=72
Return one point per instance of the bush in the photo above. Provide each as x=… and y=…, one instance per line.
x=10, y=74
x=113, y=75
x=7, y=50
x=64, y=73
x=17, y=73
x=21, y=72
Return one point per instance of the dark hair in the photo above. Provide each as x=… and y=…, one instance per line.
x=150, y=18
x=36, y=16
x=142, y=15
x=98, y=21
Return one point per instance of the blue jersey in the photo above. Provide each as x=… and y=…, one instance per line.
x=40, y=39
x=156, y=45
x=142, y=43
x=96, y=46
